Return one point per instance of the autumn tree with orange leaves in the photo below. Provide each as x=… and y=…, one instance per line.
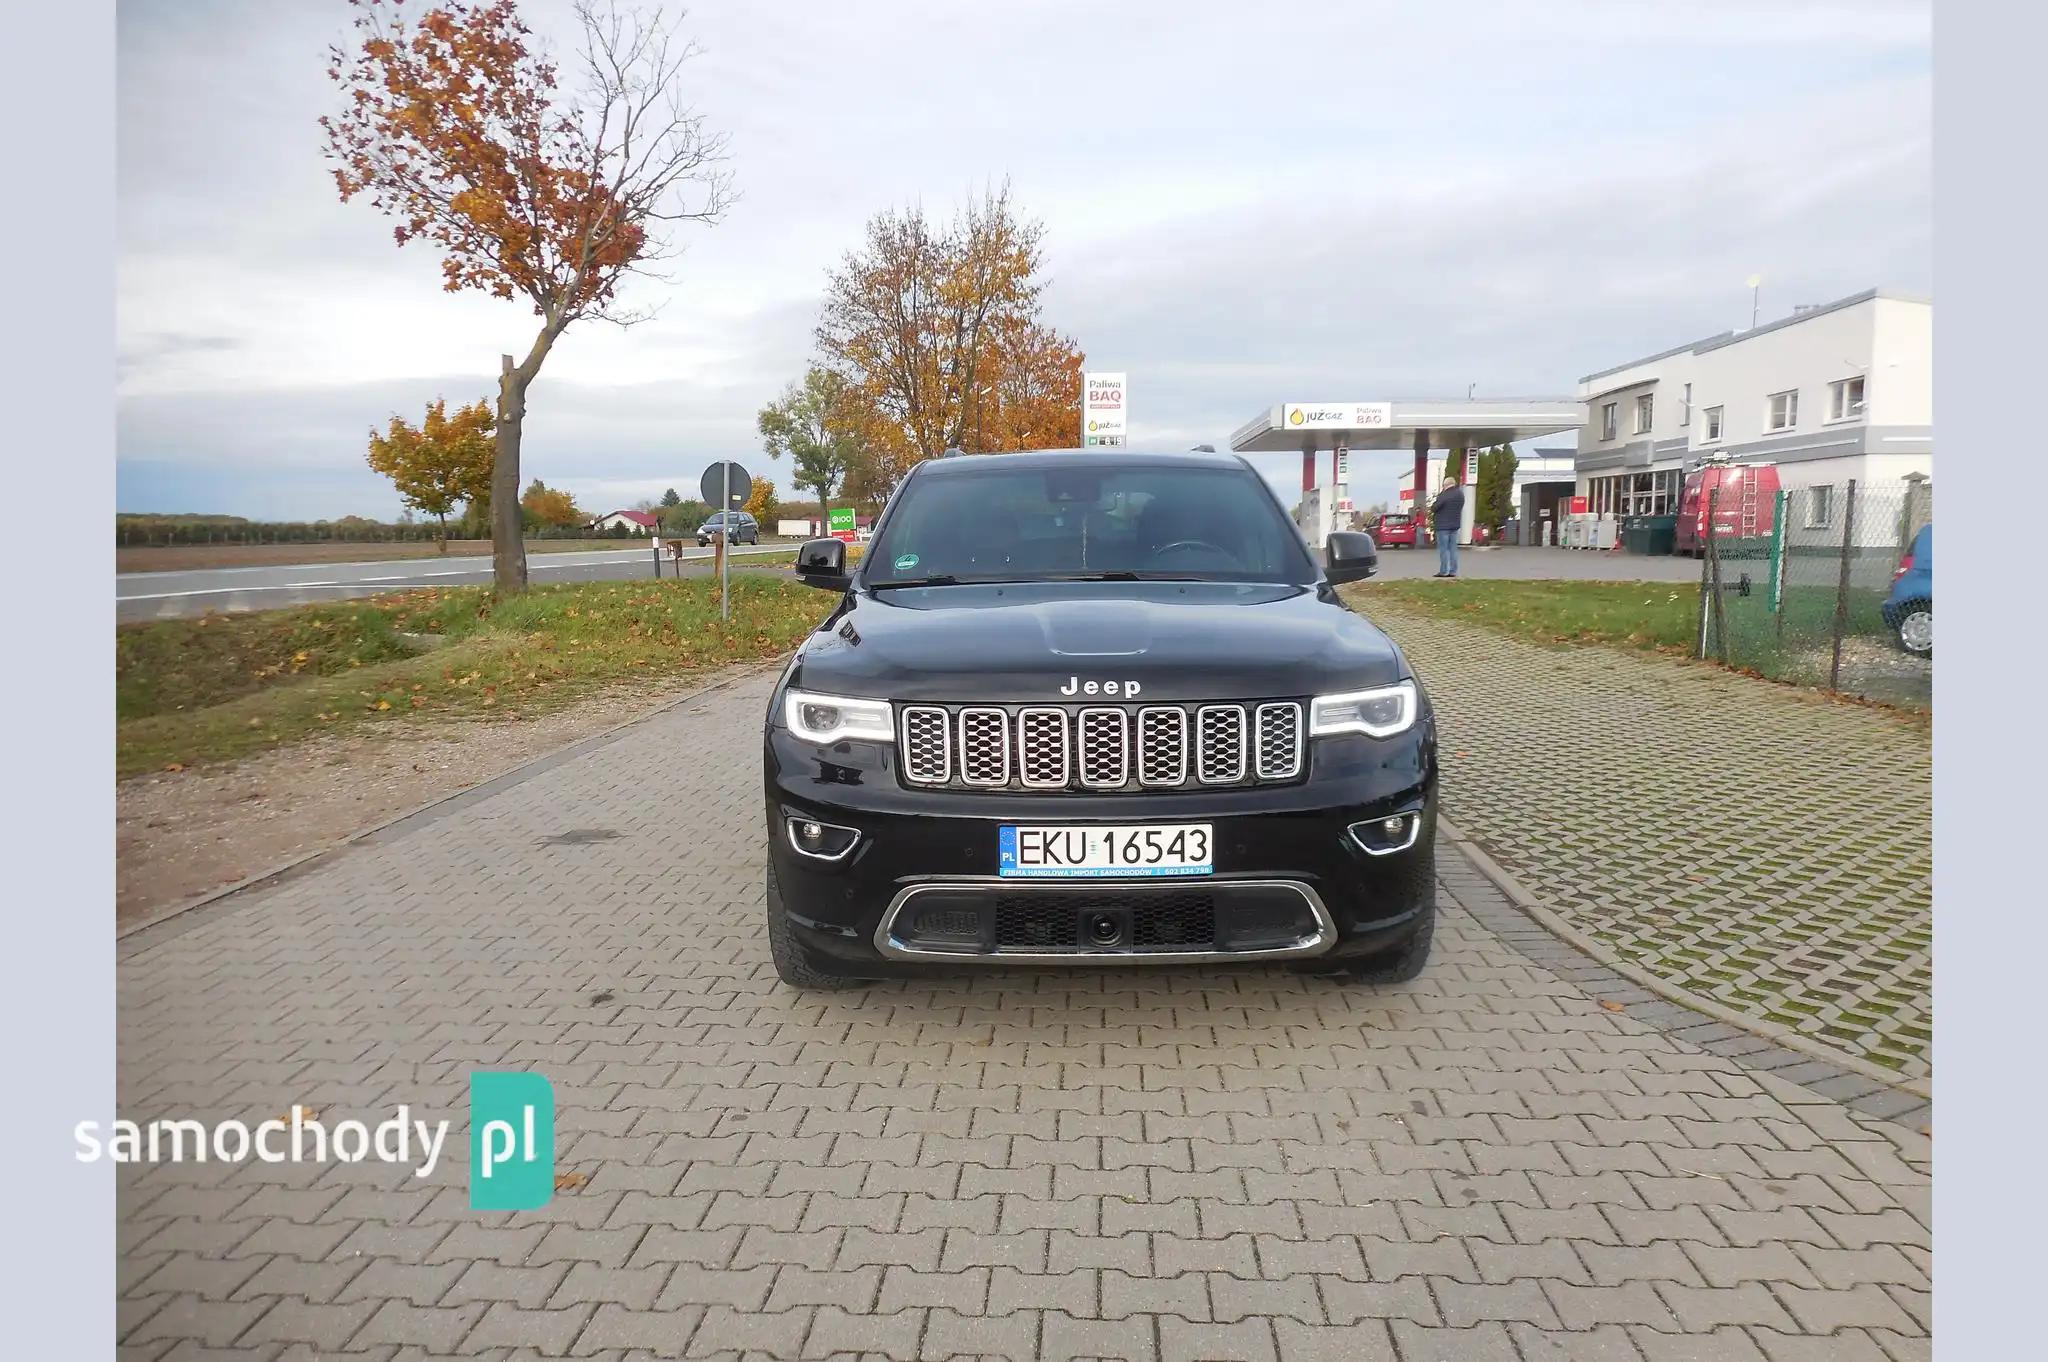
x=456, y=125
x=440, y=462
x=551, y=505
x=935, y=329
x=1034, y=401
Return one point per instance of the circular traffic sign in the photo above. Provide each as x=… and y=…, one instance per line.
x=713, y=485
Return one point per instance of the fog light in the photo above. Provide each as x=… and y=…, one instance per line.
x=1385, y=836
x=821, y=841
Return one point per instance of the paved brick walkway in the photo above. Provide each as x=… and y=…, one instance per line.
x=1171, y=1164
x=1761, y=845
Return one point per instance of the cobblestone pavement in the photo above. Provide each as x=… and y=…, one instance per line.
x=1760, y=845
x=1175, y=1164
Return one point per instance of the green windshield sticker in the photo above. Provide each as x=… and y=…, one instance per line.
x=906, y=562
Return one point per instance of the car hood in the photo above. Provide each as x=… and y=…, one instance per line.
x=1045, y=642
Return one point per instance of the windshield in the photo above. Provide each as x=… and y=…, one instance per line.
x=1146, y=520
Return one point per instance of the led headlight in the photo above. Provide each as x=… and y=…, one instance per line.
x=1381, y=712
x=830, y=718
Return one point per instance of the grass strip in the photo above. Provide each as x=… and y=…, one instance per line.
x=223, y=686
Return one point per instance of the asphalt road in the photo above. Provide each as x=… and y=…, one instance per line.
x=1514, y=563
x=167, y=595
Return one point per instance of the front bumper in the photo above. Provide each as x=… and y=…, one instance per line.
x=1290, y=882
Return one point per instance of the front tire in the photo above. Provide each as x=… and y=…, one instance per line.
x=792, y=964
x=1405, y=963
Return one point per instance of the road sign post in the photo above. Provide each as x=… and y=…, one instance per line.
x=726, y=485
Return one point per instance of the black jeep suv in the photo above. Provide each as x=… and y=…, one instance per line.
x=1096, y=708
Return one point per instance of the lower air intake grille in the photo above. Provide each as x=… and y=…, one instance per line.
x=1058, y=922
x=1219, y=919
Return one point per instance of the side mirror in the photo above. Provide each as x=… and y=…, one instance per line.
x=822, y=563
x=1350, y=557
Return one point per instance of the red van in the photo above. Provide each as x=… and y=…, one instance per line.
x=1744, y=509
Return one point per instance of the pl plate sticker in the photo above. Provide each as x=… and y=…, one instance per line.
x=906, y=562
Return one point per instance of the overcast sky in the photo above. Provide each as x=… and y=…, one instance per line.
x=1245, y=204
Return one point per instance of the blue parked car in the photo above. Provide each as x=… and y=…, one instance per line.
x=1910, y=608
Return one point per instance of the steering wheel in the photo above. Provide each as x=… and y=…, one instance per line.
x=1193, y=545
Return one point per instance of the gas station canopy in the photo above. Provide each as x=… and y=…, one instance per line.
x=1461, y=423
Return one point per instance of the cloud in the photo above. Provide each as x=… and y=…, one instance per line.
x=1244, y=207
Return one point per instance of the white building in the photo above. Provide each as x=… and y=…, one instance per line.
x=636, y=522
x=1836, y=391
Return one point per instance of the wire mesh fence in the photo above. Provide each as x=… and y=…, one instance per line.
x=1797, y=584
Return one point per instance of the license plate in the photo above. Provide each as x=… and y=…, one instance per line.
x=1129, y=851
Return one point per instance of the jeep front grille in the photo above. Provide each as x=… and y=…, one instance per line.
x=1101, y=748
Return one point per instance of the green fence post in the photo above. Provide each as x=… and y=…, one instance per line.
x=1777, y=550
x=1842, y=587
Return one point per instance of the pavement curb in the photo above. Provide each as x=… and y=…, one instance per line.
x=1532, y=907
x=437, y=807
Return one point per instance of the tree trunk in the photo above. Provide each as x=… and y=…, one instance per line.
x=443, y=518
x=508, y=544
x=508, y=549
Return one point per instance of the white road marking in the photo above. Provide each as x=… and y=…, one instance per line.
x=233, y=590
x=374, y=562
x=551, y=561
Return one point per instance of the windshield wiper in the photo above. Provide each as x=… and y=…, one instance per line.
x=948, y=579
x=936, y=579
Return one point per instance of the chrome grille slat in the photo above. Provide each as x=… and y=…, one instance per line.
x=927, y=745
x=984, y=746
x=1219, y=739
x=1279, y=740
x=1042, y=747
x=1162, y=745
x=1104, y=744
x=1104, y=747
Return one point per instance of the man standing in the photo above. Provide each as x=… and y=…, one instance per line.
x=1447, y=519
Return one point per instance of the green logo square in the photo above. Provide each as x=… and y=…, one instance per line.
x=511, y=1141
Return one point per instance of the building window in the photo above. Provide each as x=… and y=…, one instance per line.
x=1845, y=399
x=1820, y=506
x=1643, y=407
x=1610, y=414
x=1783, y=413
x=1685, y=407
x=1627, y=494
x=1713, y=415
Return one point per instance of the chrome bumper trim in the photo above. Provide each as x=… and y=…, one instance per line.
x=885, y=941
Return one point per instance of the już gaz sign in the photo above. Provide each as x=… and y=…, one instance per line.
x=1103, y=411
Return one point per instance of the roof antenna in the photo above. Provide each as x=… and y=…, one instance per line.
x=1203, y=449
